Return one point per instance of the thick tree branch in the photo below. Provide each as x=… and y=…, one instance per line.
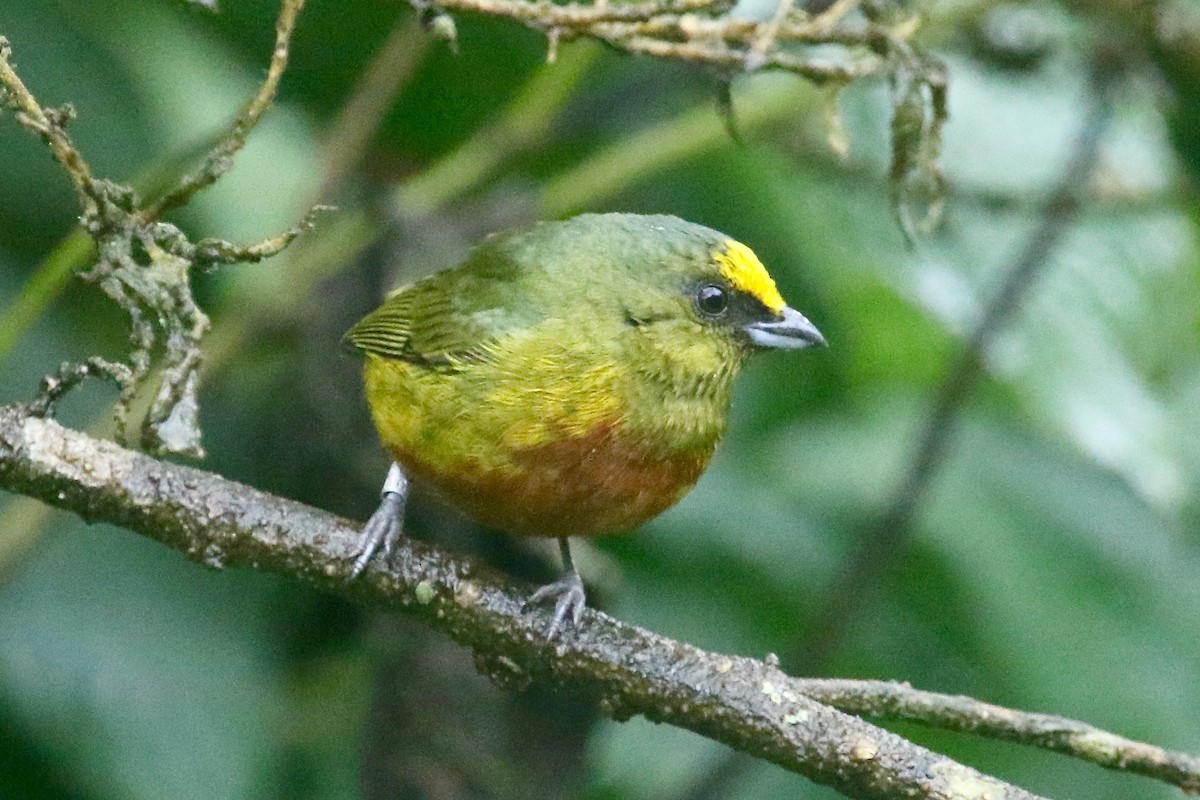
x=745, y=703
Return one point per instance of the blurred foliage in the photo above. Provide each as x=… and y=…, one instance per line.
x=1055, y=566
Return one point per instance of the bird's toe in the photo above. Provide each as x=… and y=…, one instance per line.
x=381, y=532
x=569, y=601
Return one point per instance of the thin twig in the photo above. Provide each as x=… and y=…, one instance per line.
x=50, y=125
x=968, y=715
x=220, y=159
x=756, y=55
x=144, y=265
x=728, y=46
x=55, y=387
x=745, y=703
x=825, y=21
x=213, y=252
x=648, y=28
x=697, y=52
x=734, y=30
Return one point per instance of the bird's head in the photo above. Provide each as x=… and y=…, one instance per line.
x=672, y=278
x=733, y=290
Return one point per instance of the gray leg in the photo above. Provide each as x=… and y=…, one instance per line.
x=568, y=591
x=383, y=528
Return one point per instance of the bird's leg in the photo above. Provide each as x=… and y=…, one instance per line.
x=383, y=528
x=568, y=590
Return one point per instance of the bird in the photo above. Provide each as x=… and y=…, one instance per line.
x=571, y=378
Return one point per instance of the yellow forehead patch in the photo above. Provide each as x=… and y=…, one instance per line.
x=746, y=273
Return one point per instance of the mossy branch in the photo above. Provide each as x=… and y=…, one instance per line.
x=745, y=703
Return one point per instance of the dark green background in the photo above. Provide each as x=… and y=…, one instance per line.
x=1054, y=566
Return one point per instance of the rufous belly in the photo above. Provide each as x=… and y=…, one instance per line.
x=597, y=483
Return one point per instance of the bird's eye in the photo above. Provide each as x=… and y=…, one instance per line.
x=712, y=300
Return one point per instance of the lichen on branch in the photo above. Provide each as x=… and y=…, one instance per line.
x=845, y=43
x=144, y=264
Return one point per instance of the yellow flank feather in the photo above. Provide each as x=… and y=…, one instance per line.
x=499, y=411
x=746, y=273
x=562, y=407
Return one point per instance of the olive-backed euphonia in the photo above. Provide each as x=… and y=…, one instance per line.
x=570, y=379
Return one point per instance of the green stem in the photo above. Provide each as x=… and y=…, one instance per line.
x=45, y=285
x=524, y=123
x=688, y=135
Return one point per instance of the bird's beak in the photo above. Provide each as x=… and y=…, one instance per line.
x=792, y=331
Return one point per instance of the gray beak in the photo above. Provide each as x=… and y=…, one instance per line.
x=792, y=332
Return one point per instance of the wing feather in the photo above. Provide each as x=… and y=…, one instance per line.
x=450, y=317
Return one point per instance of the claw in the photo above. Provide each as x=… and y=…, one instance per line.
x=568, y=607
x=383, y=528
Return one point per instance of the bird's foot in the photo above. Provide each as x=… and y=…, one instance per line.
x=380, y=533
x=383, y=528
x=569, y=602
